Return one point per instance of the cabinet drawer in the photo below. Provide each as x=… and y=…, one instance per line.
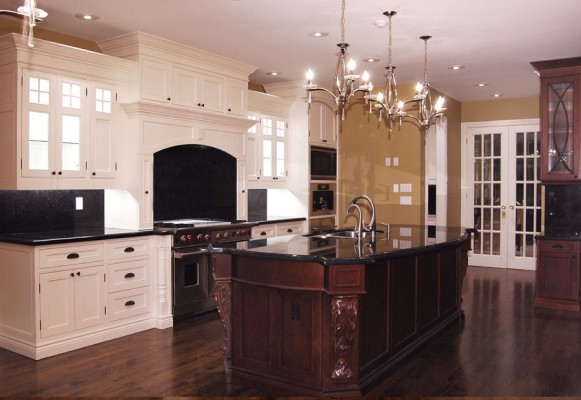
x=289, y=229
x=128, y=249
x=128, y=303
x=552, y=245
x=263, y=231
x=71, y=255
x=128, y=275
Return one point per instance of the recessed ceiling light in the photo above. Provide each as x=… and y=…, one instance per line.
x=87, y=17
x=481, y=84
x=318, y=34
x=274, y=73
x=380, y=23
x=496, y=95
x=456, y=67
x=371, y=59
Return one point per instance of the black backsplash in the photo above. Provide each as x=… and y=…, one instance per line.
x=193, y=181
x=562, y=209
x=257, y=204
x=23, y=211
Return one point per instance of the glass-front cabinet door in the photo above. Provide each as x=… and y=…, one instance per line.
x=53, y=126
x=560, y=119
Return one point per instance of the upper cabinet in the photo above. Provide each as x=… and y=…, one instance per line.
x=560, y=119
x=181, y=76
x=59, y=116
x=266, y=143
x=322, y=124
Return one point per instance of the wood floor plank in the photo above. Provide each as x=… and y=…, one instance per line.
x=504, y=347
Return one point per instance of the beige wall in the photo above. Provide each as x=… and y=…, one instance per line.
x=497, y=110
x=364, y=144
x=13, y=25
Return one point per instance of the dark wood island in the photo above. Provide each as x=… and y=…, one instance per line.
x=331, y=316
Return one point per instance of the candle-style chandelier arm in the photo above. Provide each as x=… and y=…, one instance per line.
x=344, y=77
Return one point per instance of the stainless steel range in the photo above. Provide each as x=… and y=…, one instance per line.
x=193, y=283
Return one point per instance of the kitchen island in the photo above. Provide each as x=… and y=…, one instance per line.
x=331, y=316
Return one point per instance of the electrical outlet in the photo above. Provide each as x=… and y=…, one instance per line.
x=395, y=161
x=406, y=187
x=78, y=203
x=395, y=188
x=388, y=162
x=405, y=200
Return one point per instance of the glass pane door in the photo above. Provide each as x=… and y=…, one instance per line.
x=489, y=151
x=504, y=195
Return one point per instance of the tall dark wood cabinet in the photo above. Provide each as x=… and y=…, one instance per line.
x=558, y=265
x=560, y=119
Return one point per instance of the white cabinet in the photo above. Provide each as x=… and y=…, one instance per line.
x=322, y=124
x=167, y=83
x=236, y=97
x=54, y=125
x=66, y=296
x=156, y=82
x=267, y=142
x=60, y=117
x=72, y=299
x=278, y=229
x=104, y=130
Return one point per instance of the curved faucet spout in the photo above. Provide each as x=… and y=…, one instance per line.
x=372, y=227
x=359, y=226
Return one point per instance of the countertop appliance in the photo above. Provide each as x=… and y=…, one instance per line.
x=192, y=281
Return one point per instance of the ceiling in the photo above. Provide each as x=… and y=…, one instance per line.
x=494, y=39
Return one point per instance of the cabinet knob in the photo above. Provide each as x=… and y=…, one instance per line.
x=229, y=109
x=147, y=192
x=94, y=173
x=72, y=274
x=53, y=172
x=60, y=172
x=78, y=274
x=169, y=99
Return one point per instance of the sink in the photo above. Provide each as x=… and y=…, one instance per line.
x=343, y=234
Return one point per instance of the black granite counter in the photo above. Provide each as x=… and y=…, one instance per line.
x=276, y=220
x=72, y=235
x=560, y=235
x=394, y=242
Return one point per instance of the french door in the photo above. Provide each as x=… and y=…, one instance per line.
x=503, y=193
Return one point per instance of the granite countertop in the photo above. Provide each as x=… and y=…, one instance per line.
x=401, y=240
x=560, y=235
x=276, y=220
x=72, y=235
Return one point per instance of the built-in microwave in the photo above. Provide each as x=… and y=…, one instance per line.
x=323, y=163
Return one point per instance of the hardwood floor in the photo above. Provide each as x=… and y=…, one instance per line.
x=505, y=347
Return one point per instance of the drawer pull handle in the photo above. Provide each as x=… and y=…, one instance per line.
x=129, y=275
x=129, y=303
x=557, y=246
x=129, y=250
x=289, y=230
x=263, y=233
x=72, y=256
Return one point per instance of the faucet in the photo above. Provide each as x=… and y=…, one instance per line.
x=359, y=227
x=372, y=227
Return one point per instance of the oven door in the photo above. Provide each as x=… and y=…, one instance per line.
x=193, y=286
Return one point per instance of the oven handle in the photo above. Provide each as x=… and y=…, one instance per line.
x=184, y=253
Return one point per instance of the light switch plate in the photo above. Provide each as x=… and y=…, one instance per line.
x=78, y=203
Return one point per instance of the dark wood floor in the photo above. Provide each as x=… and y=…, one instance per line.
x=503, y=348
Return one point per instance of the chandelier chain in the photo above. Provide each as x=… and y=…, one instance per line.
x=343, y=22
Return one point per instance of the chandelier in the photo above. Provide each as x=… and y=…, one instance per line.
x=344, y=76
x=387, y=103
x=33, y=15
